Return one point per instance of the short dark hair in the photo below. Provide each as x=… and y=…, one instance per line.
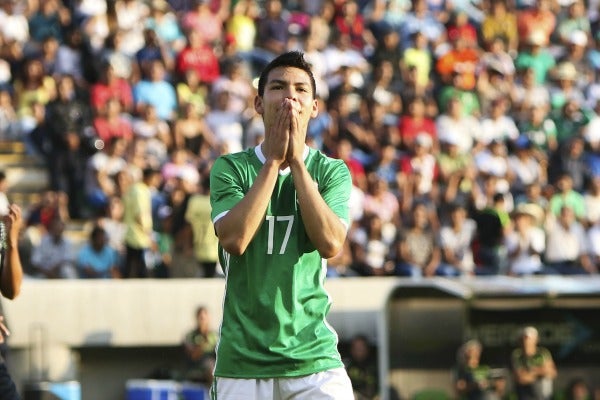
x=293, y=59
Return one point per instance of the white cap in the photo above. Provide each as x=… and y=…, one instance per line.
x=529, y=331
x=424, y=139
x=578, y=38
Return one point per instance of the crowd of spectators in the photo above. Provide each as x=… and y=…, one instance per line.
x=471, y=129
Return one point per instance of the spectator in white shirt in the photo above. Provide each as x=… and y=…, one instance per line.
x=566, y=245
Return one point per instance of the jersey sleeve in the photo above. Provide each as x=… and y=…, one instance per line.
x=226, y=188
x=336, y=190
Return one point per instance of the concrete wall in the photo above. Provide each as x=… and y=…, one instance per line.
x=102, y=333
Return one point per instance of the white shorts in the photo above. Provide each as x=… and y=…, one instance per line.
x=327, y=385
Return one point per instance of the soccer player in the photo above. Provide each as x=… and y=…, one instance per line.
x=279, y=210
x=11, y=276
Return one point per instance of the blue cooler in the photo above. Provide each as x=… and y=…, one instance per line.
x=68, y=390
x=193, y=391
x=151, y=389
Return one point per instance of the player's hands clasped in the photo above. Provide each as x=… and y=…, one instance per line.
x=285, y=141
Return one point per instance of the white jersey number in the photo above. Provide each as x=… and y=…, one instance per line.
x=271, y=219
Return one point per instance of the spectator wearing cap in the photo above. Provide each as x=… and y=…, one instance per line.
x=535, y=55
x=534, y=197
x=523, y=167
x=575, y=20
x=539, y=19
x=576, y=52
x=525, y=243
x=533, y=367
x=565, y=87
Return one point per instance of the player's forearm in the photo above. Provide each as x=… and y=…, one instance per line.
x=237, y=228
x=324, y=228
x=12, y=273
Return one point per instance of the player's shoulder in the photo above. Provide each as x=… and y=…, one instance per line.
x=320, y=158
x=237, y=158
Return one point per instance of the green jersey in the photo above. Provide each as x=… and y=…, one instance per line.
x=275, y=306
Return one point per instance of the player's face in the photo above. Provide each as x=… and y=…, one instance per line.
x=287, y=83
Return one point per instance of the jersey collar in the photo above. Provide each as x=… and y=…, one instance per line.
x=263, y=159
